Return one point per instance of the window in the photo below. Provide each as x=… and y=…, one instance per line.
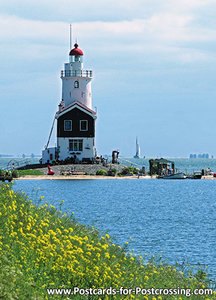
x=75, y=145
x=67, y=125
x=83, y=125
x=76, y=84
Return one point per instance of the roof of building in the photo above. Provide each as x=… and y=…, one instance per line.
x=75, y=51
x=77, y=103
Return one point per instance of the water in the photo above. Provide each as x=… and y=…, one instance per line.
x=175, y=218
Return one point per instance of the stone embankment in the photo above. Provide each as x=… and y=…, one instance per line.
x=89, y=169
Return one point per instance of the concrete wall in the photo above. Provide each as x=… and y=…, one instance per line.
x=82, y=94
x=47, y=154
x=63, y=145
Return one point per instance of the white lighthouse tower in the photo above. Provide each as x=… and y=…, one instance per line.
x=76, y=82
x=75, y=117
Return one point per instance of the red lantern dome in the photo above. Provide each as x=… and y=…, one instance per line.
x=76, y=51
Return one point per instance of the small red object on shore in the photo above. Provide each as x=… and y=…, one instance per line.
x=214, y=175
x=51, y=172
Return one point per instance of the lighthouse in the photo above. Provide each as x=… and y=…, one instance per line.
x=75, y=116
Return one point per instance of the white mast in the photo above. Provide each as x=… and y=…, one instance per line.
x=137, y=155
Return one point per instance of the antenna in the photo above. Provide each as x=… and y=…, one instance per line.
x=70, y=36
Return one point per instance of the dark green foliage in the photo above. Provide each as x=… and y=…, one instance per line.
x=129, y=171
x=101, y=172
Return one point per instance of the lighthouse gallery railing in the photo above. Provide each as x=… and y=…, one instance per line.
x=76, y=73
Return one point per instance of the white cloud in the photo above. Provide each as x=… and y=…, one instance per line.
x=14, y=27
x=169, y=31
x=97, y=10
x=163, y=26
x=187, y=5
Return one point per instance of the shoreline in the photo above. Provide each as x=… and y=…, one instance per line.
x=90, y=177
x=78, y=177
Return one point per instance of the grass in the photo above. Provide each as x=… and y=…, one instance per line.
x=42, y=248
x=30, y=172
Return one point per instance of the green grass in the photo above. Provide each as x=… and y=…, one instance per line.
x=30, y=172
x=42, y=248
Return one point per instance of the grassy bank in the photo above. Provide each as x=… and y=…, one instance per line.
x=41, y=248
x=29, y=172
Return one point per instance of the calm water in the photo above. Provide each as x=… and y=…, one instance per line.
x=177, y=218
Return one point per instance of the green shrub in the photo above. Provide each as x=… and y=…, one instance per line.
x=129, y=170
x=15, y=174
x=2, y=172
x=101, y=172
x=112, y=172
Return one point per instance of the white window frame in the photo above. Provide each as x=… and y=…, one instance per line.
x=86, y=125
x=70, y=126
x=79, y=142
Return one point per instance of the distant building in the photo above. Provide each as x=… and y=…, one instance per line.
x=201, y=155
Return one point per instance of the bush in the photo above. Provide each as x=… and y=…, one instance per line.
x=15, y=174
x=2, y=172
x=129, y=170
x=112, y=172
x=101, y=172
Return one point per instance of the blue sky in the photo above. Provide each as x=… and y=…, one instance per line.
x=154, y=67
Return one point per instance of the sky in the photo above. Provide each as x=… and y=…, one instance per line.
x=154, y=65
